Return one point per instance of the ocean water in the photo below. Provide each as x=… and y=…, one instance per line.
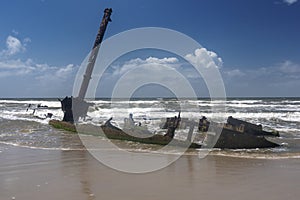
x=21, y=125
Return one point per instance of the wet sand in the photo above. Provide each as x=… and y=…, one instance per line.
x=32, y=174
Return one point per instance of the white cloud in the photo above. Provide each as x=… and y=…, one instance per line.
x=289, y=67
x=200, y=58
x=168, y=70
x=14, y=68
x=281, y=70
x=31, y=78
x=282, y=79
x=13, y=46
x=204, y=58
x=218, y=60
x=151, y=62
x=65, y=71
x=234, y=73
x=15, y=32
x=55, y=74
x=290, y=2
x=26, y=41
x=10, y=67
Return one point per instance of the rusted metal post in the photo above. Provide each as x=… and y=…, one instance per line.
x=81, y=106
x=93, y=56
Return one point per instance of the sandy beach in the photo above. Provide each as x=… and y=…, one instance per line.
x=30, y=174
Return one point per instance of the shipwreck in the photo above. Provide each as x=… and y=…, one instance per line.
x=233, y=134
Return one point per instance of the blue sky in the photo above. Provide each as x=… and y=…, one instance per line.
x=42, y=42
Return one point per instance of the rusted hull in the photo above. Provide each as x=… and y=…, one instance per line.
x=118, y=134
x=228, y=139
x=235, y=140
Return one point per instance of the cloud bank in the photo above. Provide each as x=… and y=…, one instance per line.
x=26, y=78
x=140, y=69
x=282, y=79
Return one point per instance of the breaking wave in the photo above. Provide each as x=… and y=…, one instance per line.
x=23, y=122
